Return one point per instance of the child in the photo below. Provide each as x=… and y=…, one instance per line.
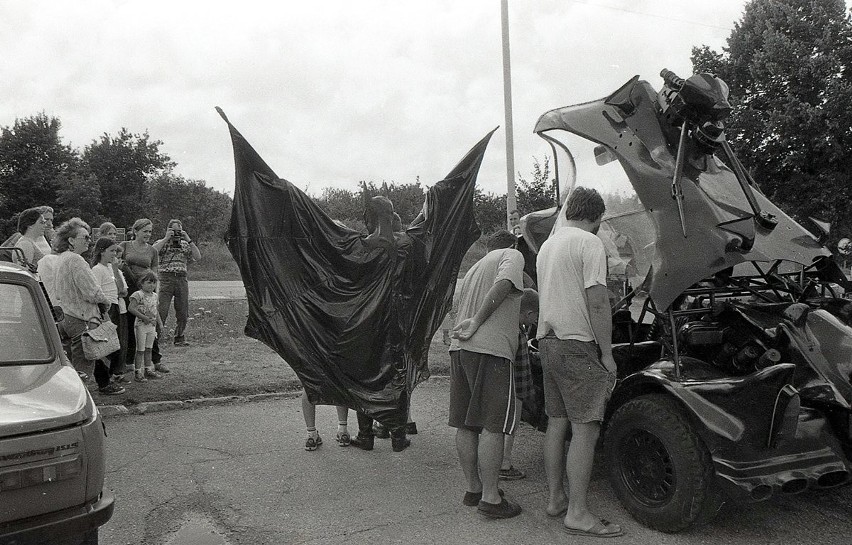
x=103, y=256
x=143, y=304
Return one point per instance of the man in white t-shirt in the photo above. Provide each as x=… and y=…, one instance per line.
x=575, y=333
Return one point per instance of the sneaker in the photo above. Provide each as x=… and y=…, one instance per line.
x=150, y=373
x=181, y=343
x=343, y=439
x=503, y=510
x=121, y=379
x=363, y=442
x=140, y=376
x=511, y=474
x=111, y=389
x=162, y=368
x=380, y=431
x=313, y=443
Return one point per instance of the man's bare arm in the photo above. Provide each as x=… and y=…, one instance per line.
x=600, y=315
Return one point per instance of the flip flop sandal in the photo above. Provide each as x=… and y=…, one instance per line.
x=603, y=528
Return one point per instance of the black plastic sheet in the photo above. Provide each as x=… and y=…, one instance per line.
x=353, y=321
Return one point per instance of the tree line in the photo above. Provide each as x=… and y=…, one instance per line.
x=125, y=176
x=118, y=178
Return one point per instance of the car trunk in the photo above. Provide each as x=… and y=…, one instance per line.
x=42, y=452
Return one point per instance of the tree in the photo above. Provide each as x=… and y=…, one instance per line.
x=788, y=64
x=123, y=165
x=490, y=211
x=80, y=197
x=407, y=199
x=538, y=193
x=341, y=204
x=32, y=158
x=204, y=212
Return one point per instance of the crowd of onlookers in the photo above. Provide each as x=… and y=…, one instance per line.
x=131, y=283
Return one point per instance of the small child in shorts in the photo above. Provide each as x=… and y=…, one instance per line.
x=144, y=305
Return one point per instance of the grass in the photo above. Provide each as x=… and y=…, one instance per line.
x=216, y=263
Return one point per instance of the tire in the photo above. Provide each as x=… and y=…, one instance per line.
x=91, y=538
x=658, y=467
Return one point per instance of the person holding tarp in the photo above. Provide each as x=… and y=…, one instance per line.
x=329, y=301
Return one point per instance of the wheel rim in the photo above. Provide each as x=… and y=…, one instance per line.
x=647, y=469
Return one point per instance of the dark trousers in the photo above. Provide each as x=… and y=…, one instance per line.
x=174, y=286
x=117, y=359
x=365, y=427
x=71, y=330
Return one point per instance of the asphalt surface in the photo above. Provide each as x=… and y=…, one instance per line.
x=216, y=289
x=237, y=473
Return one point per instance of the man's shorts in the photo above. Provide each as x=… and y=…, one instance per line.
x=482, y=392
x=576, y=383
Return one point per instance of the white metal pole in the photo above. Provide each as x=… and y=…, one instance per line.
x=511, y=203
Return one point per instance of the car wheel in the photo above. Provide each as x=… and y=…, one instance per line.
x=659, y=468
x=91, y=538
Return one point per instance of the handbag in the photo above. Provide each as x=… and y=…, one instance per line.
x=101, y=341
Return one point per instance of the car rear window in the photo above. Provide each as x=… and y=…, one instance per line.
x=22, y=335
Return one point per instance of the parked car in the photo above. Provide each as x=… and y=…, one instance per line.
x=52, y=451
x=732, y=336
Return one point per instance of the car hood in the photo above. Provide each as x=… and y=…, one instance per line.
x=41, y=397
x=718, y=215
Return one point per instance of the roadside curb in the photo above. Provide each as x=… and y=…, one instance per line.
x=109, y=411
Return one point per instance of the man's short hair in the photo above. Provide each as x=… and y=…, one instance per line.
x=501, y=239
x=584, y=203
x=529, y=300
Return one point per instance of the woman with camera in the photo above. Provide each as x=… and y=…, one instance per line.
x=175, y=251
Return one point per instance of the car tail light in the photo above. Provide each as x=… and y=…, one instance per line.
x=34, y=476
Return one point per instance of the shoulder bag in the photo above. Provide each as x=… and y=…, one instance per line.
x=101, y=340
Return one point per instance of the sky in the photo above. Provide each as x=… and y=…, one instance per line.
x=334, y=92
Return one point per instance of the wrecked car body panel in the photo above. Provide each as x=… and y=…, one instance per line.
x=719, y=226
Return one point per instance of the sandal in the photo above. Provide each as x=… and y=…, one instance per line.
x=602, y=528
x=312, y=444
x=511, y=474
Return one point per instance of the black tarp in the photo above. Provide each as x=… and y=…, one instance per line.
x=354, y=323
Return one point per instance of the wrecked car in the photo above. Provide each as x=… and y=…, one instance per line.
x=730, y=331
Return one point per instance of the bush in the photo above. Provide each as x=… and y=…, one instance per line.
x=216, y=263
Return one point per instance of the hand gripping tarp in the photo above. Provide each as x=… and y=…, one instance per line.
x=353, y=321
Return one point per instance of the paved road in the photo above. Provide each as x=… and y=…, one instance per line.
x=238, y=475
x=226, y=289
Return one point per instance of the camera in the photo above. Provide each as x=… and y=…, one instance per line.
x=176, y=238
